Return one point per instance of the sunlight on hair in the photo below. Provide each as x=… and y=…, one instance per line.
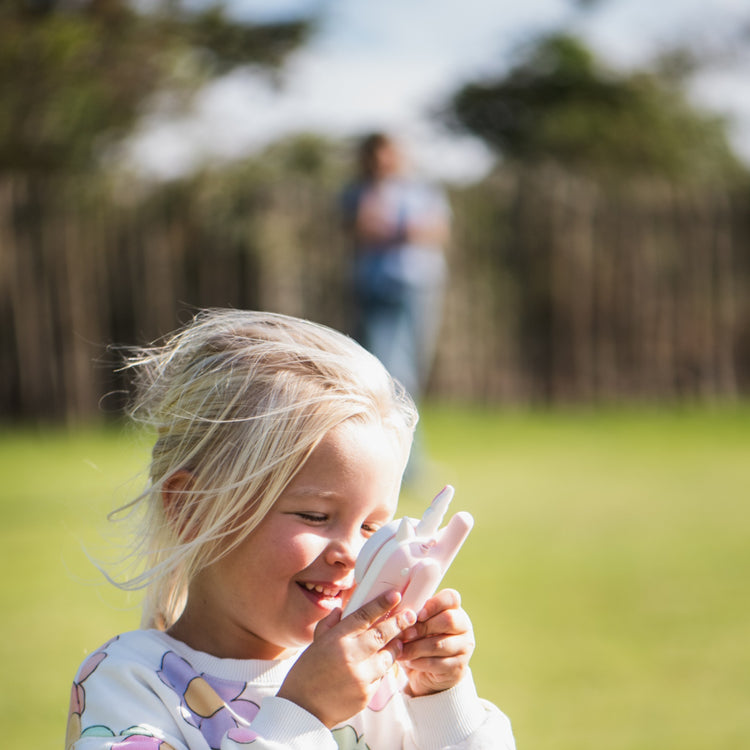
x=237, y=400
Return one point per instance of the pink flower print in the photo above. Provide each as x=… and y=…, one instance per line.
x=140, y=742
x=78, y=696
x=212, y=705
x=242, y=735
x=88, y=667
x=386, y=690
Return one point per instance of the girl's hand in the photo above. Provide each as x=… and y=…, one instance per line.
x=338, y=674
x=437, y=649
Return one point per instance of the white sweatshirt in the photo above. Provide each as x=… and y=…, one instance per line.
x=146, y=691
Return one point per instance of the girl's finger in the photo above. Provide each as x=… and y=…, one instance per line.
x=438, y=647
x=363, y=618
x=437, y=667
x=389, y=655
x=446, y=622
x=385, y=631
x=445, y=599
x=372, y=624
x=328, y=622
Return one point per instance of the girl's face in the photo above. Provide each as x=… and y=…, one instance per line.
x=267, y=595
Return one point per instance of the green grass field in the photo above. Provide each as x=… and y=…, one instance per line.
x=607, y=575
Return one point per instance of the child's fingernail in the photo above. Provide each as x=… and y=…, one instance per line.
x=392, y=598
x=407, y=618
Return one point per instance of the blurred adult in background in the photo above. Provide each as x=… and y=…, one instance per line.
x=398, y=227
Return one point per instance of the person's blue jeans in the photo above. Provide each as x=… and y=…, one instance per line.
x=399, y=323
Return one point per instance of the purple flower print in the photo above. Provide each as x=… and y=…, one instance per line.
x=214, y=706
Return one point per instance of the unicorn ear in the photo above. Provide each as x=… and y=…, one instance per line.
x=405, y=530
x=433, y=516
x=451, y=537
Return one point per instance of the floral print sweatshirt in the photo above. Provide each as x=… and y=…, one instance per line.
x=144, y=690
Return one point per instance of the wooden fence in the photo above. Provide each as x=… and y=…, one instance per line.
x=560, y=290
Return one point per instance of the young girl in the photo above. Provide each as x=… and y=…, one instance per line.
x=280, y=449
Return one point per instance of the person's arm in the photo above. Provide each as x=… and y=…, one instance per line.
x=440, y=695
x=340, y=671
x=281, y=725
x=375, y=222
x=432, y=233
x=428, y=222
x=458, y=719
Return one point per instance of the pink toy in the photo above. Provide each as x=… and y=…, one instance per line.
x=410, y=556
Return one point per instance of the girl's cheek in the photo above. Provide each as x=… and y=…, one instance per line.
x=310, y=545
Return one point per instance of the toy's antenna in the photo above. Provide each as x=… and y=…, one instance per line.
x=433, y=516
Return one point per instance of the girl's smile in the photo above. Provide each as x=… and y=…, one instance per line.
x=325, y=595
x=266, y=595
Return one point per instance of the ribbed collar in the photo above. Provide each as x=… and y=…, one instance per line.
x=258, y=671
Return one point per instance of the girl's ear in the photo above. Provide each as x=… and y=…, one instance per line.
x=173, y=497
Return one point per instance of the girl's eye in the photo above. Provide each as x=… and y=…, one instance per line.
x=313, y=517
x=369, y=528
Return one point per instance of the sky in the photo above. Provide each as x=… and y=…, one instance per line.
x=390, y=64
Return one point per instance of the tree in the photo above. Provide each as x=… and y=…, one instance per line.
x=75, y=76
x=561, y=105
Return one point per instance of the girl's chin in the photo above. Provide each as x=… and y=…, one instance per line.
x=306, y=633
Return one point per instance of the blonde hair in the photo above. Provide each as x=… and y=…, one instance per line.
x=238, y=401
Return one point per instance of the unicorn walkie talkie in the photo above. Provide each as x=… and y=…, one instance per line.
x=410, y=556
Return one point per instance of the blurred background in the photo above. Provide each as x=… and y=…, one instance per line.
x=589, y=389
x=162, y=156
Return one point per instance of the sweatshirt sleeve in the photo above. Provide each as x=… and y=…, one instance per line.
x=280, y=725
x=457, y=719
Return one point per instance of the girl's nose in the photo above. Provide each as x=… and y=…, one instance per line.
x=344, y=551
